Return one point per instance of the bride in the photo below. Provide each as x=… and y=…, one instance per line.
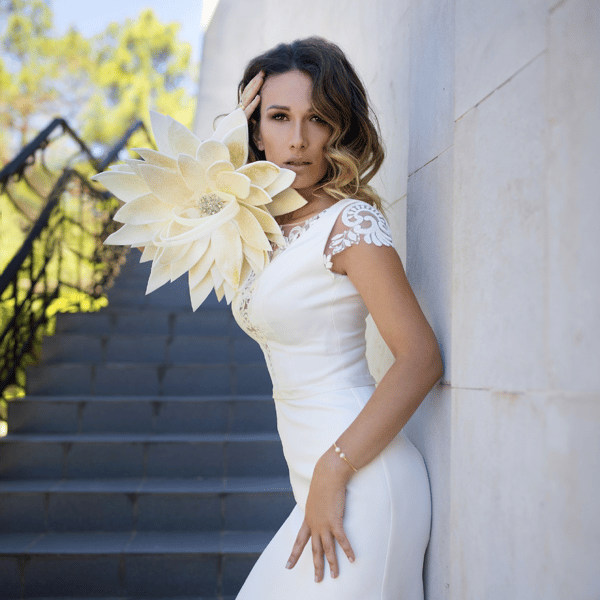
x=361, y=524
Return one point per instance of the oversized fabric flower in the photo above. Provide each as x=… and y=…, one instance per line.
x=197, y=207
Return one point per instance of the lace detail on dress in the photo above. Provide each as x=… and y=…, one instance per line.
x=361, y=221
x=243, y=310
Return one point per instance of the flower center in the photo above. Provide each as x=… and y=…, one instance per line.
x=209, y=204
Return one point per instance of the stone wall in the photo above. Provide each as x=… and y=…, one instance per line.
x=491, y=116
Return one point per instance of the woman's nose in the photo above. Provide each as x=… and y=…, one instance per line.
x=298, y=137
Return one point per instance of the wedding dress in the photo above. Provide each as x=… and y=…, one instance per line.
x=310, y=323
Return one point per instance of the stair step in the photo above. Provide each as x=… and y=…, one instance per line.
x=157, y=414
x=139, y=564
x=31, y=456
x=145, y=504
x=208, y=321
x=144, y=461
x=142, y=348
x=149, y=378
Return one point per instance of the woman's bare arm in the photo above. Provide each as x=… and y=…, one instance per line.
x=378, y=275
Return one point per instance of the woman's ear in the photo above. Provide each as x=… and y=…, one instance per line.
x=257, y=138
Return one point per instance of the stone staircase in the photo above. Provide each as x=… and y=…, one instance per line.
x=144, y=461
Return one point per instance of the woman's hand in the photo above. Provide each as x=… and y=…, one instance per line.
x=250, y=98
x=324, y=516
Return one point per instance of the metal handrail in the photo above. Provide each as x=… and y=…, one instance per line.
x=33, y=279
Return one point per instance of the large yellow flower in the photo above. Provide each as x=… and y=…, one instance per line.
x=197, y=207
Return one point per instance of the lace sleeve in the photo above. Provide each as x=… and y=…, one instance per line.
x=358, y=222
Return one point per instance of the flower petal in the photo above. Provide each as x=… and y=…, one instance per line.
x=262, y=172
x=172, y=254
x=285, y=202
x=227, y=248
x=246, y=271
x=210, y=152
x=233, y=183
x=217, y=278
x=159, y=275
x=219, y=292
x=200, y=292
x=202, y=267
x=257, y=197
x=251, y=231
x=237, y=144
x=256, y=258
x=165, y=238
x=122, y=167
x=150, y=251
x=233, y=120
x=229, y=292
x=265, y=220
x=284, y=180
x=125, y=186
x=196, y=251
x=172, y=138
x=191, y=171
x=143, y=210
x=131, y=235
x=182, y=140
x=156, y=158
x=215, y=169
x=165, y=184
x=160, y=127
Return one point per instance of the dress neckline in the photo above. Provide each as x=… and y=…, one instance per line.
x=296, y=229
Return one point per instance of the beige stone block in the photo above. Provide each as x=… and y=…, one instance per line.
x=499, y=261
x=224, y=58
x=429, y=246
x=573, y=101
x=431, y=80
x=524, y=488
x=494, y=40
x=429, y=431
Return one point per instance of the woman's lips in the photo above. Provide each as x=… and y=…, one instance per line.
x=297, y=164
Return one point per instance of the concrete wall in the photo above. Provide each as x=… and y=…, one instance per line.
x=491, y=116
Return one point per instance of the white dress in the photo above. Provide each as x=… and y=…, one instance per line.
x=310, y=323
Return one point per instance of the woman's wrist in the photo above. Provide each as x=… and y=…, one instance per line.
x=335, y=467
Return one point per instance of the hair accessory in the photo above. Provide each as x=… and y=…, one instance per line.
x=343, y=456
x=198, y=208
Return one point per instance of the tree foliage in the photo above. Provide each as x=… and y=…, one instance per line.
x=101, y=85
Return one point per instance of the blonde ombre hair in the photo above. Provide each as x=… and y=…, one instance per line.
x=354, y=152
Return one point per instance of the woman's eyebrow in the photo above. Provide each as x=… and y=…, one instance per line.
x=278, y=107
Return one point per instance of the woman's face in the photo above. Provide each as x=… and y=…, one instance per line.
x=290, y=133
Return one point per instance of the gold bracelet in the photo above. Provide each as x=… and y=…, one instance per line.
x=343, y=457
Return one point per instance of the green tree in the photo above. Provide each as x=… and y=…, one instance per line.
x=101, y=85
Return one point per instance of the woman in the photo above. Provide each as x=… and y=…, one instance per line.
x=363, y=503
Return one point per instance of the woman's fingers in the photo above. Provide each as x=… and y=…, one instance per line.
x=301, y=541
x=250, y=99
x=328, y=544
x=344, y=543
x=252, y=106
x=317, y=551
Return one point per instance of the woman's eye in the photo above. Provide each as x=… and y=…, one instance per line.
x=278, y=116
x=318, y=119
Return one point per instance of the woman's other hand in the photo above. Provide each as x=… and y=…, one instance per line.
x=324, y=516
x=250, y=98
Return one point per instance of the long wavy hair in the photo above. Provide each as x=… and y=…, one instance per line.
x=354, y=152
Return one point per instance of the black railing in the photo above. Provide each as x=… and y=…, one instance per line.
x=61, y=264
